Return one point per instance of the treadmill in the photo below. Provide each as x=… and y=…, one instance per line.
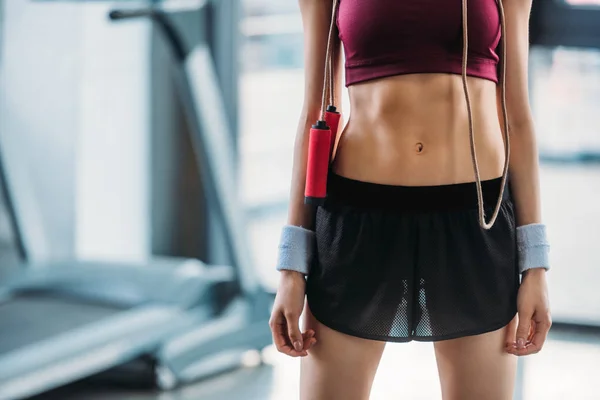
x=244, y=325
x=161, y=323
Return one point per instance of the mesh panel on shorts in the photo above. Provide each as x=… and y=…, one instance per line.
x=394, y=276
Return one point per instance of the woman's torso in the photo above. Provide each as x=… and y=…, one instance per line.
x=410, y=127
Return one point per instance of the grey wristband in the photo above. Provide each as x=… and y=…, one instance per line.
x=296, y=249
x=533, y=247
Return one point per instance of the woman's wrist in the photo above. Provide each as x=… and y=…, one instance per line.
x=535, y=272
x=290, y=274
x=532, y=247
x=292, y=279
x=296, y=249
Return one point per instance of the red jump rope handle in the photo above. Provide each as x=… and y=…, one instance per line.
x=317, y=169
x=332, y=119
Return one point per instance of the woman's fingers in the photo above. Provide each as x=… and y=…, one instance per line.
x=532, y=331
x=523, y=327
x=283, y=340
x=541, y=327
x=309, y=339
x=308, y=334
x=295, y=336
x=279, y=331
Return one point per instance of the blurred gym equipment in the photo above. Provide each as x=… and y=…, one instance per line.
x=564, y=23
x=161, y=323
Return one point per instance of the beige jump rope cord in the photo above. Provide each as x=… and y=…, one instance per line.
x=328, y=93
x=482, y=221
x=328, y=78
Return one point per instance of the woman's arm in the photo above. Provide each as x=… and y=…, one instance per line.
x=316, y=17
x=289, y=301
x=523, y=166
x=533, y=308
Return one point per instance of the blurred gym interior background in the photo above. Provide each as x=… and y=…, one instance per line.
x=145, y=158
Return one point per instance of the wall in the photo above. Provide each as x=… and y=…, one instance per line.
x=38, y=120
x=112, y=163
x=73, y=129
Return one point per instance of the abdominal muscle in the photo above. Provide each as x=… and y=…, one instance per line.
x=413, y=130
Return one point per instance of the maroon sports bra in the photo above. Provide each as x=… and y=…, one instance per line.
x=392, y=37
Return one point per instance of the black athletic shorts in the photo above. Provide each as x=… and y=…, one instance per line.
x=400, y=263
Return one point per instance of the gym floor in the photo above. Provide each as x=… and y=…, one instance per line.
x=407, y=371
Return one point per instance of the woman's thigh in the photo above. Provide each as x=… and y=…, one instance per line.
x=477, y=367
x=338, y=366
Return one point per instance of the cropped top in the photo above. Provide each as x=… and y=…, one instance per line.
x=391, y=37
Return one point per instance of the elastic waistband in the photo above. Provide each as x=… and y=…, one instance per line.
x=461, y=196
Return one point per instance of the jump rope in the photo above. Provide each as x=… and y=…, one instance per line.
x=323, y=134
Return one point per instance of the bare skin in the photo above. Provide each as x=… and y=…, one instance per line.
x=338, y=366
x=477, y=367
x=413, y=130
x=410, y=130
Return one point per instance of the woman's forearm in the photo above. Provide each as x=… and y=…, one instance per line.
x=300, y=214
x=524, y=174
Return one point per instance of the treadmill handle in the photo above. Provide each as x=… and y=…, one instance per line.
x=130, y=14
x=154, y=11
x=161, y=19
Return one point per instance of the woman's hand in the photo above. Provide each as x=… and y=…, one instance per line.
x=285, y=317
x=534, y=314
